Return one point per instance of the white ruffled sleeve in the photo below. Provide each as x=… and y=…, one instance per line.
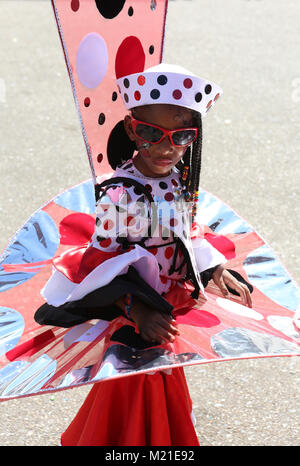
x=206, y=255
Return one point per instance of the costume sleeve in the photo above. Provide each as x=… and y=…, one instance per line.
x=212, y=250
x=100, y=303
x=207, y=256
x=81, y=270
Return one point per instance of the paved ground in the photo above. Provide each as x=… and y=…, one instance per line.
x=251, y=161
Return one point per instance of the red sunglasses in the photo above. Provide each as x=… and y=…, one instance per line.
x=155, y=134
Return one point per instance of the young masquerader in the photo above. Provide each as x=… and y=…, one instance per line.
x=144, y=247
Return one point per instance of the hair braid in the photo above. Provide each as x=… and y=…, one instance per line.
x=190, y=168
x=196, y=166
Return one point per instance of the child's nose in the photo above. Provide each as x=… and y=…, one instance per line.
x=166, y=145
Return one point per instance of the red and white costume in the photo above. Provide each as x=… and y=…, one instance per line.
x=141, y=409
x=80, y=270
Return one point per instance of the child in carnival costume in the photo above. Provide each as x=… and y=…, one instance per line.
x=146, y=245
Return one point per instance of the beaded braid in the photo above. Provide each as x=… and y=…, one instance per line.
x=190, y=168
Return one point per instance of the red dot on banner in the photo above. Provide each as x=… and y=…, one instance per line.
x=130, y=57
x=105, y=243
x=141, y=80
x=169, y=197
x=137, y=95
x=87, y=102
x=99, y=158
x=153, y=251
x=169, y=252
x=187, y=83
x=75, y=4
x=177, y=94
x=108, y=224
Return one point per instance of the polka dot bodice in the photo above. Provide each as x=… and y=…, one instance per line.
x=123, y=210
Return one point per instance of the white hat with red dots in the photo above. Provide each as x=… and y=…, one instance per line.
x=168, y=84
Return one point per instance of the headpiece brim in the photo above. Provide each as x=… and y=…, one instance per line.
x=168, y=84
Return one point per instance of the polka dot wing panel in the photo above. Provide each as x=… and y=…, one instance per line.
x=103, y=40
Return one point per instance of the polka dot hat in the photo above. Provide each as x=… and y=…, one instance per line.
x=168, y=84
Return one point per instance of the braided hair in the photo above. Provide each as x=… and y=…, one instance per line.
x=120, y=149
x=190, y=167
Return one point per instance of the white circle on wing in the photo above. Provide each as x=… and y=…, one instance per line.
x=239, y=309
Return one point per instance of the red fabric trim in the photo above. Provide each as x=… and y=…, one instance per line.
x=77, y=263
x=197, y=231
x=222, y=244
x=219, y=242
x=30, y=347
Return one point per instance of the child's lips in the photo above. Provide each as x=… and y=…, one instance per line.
x=163, y=162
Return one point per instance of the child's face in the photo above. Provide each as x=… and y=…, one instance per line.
x=157, y=160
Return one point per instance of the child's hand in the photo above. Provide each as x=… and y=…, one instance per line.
x=154, y=326
x=222, y=277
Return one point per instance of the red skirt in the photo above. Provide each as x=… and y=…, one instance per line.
x=150, y=410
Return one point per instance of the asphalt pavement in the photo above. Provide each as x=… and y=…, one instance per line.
x=250, y=160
